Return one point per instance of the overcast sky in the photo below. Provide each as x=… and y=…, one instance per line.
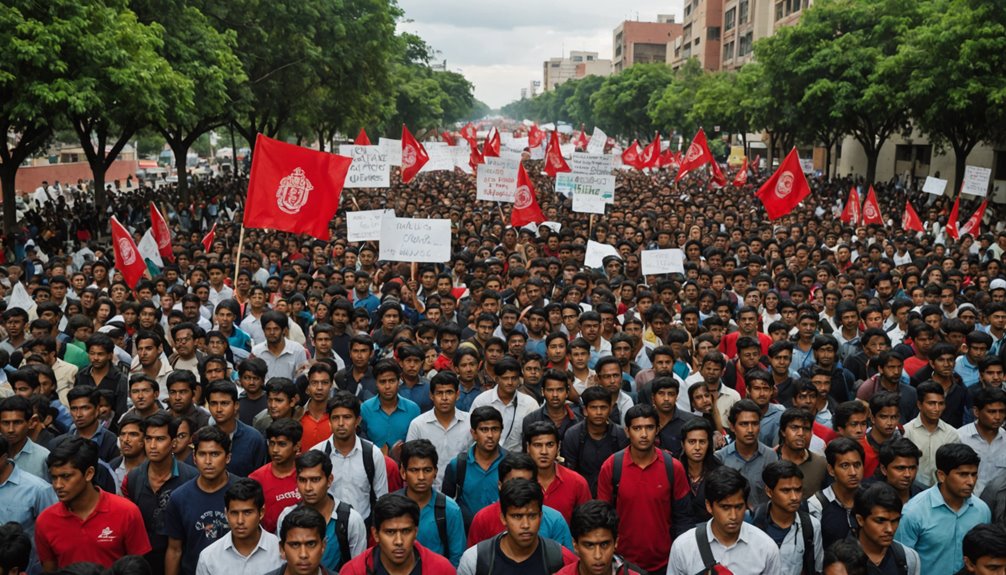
x=499, y=45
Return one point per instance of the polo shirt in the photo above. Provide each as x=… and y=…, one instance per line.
x=754, y=552
x=418, y=394
x=223, y=557
x=993, y=454
x=481, y=486
x=280, y=493
x=22, y=498
x=487, y=524
x=114, y=529
x=449, y=441
x=513, y=413
x=315, y=430
x=567, y=491
x=286, y=363
x=429, y=534
x=152, y=503
x=936, y=531
x=928, y=443
x=356, y=536
x=749, y=468
x=31, y=459
x=197, y=519
x=386, y=429
x=248, y=450
x=351, y=484
x=645, y=506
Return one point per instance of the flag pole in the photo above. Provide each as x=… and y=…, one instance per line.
x=237, y=260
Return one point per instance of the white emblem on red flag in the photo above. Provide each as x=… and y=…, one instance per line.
x=293, y=192
x=785, y=184
x=126, y=252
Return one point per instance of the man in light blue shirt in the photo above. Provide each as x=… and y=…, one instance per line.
x=15, y=414
x=935, y=521
x=386, y=417
x=22, y=497
x=978, y=344
x=441, y=527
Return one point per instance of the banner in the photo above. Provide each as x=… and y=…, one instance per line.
x=590, y=193
x=596, y=252
x=593, y=164
x=392, y=150
x=934, y=186
x=365, y=226
x=597, y=141
x=415, y=240
x=976, y=181
x=497, y=180
x=656, y=262
x=369, y=169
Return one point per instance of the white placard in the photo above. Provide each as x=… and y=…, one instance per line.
x=441, y=158
x=567, y=149
x=590, y=193
x=497, y=179
x=515, y=145
x=808, y=166
x=934, y=186
x=415, y=240
x=596, y=252
x=392, y=150
x=592, y=164
x=976, y=181
x=462, y=155
x=655, y=262
x=538, y=153
x=369, y=168
x=365, y=226
x=597, y=141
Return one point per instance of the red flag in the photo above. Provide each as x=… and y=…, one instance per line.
x=161, y=233
x=525, y=205
x=974, y=224
x=475, y=157
x=469, y=132
x=582, y=140
x=491, y=147
x=718, y=178
x=362, y=139
x=127, y=256
x=554, y=162
x=447, y=138
x=785, y=189
x=414, y=156
x=535, y=136
x=850, y=214
x=293, y=189
x=209, y=237
x=911, y=220
x=651, y=154
x=741, y=177
x=871, y=209
x=631, y=156
x=697, y=156
x=757, y=162
x=954, y=216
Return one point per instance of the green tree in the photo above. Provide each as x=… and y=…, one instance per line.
x=769, y=94
x=719, y=102
x=578, y=107
x=672, y=108
x=621, y=104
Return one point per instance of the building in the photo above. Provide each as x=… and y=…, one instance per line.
x=580, y=64
x=701, y=33
x=643, y=42
x=787, y=12
x=744, y=23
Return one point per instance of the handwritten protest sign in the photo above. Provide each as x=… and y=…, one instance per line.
x=497, y=179
x=596, y=252
x=656, y=262
x=441, y=158
x=592, y=164
x=934, y=186
x=392, y=150
x=976, y=181
x=369, y=168
x=590, y=193
x=415, y=240
x=461, y=156
x=365, y=226
x=597, y=141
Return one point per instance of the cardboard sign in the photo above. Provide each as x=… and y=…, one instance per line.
x=441, y=158
x=461, y=155
x=596, y=252
x=655, y=262
x=597, y=141
x=808, y=166
x=415, y=240
x=365, y=226
x=590, y=188
x=976, y=181
x=392, y=150
x=592, y=164
x=934, y=186
x=497, y=179
x=369, y=169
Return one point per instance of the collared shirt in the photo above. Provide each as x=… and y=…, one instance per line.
x=23, y=497
x=429, y=534
x=286, y=363
x=769, y=431
x=669, y=436
x=513, y=415
x=749, y=468
x=791, y=548
x=754, y=553
x=967, y=370
x=162, y=375
x=356, y=535
x=571, y=416
x=928, y=443
x=217, y=296
x=248, y=450
x=351, y=483
x=936, y=531
x=567, y=491
x=418, y=394
x=222, y=557
x=153, y=503
x=31, y=459
x=386, y=429
x=481, y=486
x=467, y=397
x=993, y=454
x=449, y=441
x=107, y=442
x=837, y=521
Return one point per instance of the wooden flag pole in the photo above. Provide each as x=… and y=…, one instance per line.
x=590, y=227
x=237, y=260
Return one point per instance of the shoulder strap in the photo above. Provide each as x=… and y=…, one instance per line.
x=760, y=516
x=551, y=553
x=368, y=466
x=706, y=552
x=669, y=468
x=616, y=476
x=582, y=441
x=459, y=474
x=807, y=530
x=342, y=532
x=822, y=500
x=485, y=555
x=899, y=558
x=440, y=516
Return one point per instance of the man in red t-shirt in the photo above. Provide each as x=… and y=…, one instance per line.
x=279, y=477
x=87, y=524
x=564, y=488
x=747, y=326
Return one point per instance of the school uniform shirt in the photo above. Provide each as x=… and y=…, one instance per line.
x=351, y=484
x=385, y=429
x=280, y=493
x=114, y=529
x=222, y=557
x=754, y=553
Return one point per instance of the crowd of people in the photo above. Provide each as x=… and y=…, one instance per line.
x=809, y=396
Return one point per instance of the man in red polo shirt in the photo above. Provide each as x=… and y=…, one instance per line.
x=564, y=488
x=747, y=326
x=653, y=508
x=87, y=524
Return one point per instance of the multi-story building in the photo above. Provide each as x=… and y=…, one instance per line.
x=579, y=64
x=744, y=23
x=643, y=42
x=701, y=33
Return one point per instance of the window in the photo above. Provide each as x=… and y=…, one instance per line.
x=729, y=19
x=999, y=168
x=744, y=45
x=744, y=8
x=713, y=33
x=778, y=11
x=688, y=10
x=728, y=51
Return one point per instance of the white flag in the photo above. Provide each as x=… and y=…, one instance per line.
x=148, y=249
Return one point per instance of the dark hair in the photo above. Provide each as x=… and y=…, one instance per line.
x=303, y=517
x=780, y=469
x=15, y=548
x=593, y=515
x=211, y=433
x=485, y=413
x=742, y=406
x=419, y=449
x=161, y=419
x=953, y=455
x=392, y=506
x=313, y=458
x=19, y=404
x=985, y=540
x=182, y=375
x=244, y=489
x=283, y=386
x=520, y=493
x=986, y=396
x=346, y=400
x=850, y=554
x=641, y=411
x=129, y=565
x=927, y=387
x=899, y=447
x=517, y=461
x=723, y=482
x=879, y=494
x=222, y=386
x=444, y=378
x=700, y=424
x=506, y=364
x=883, y=400
x=255, y=365
x=595, y=393
x=276, y=317
x=660, y=383
x=287, y=428
x=845, y=411
x=77, y=452
x=841, y=446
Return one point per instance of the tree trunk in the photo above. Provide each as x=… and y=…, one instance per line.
x=827, y=162
x=100, y=196
x=961, y=152
x=8, y=175
x=769, y=149
x=180, y=149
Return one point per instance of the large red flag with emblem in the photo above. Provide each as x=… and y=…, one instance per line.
x=207, y=240
x=475, y=157
x=632, y=156
x=850, y=214
x=554, y=162
x=294, y=189
x=127, y=257
x=974, y=224
x=871, y=209
x=698, y=155
x=162, y=235
x=911, y=220
x=469, y=132
x=651, y=154
x=785, y=189
x=535, y=136
x=525, y=204
x=741, y=177
x=361, y=138
x=718, y=177
x=414, y=156
x=491, y=147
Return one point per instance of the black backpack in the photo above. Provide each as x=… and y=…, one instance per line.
x=551, y=552
x=342, y=532
x=367, y=450
x=440, y=516
x=760, y=520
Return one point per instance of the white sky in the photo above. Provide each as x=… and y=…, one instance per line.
x=499, y=45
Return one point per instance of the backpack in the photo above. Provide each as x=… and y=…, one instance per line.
x=440, y=516
x=709, y=562
x=616, y=473
x=551, y=553
x=760, y=520
x=899, y=558
x=342, y=532
x=459, y=475
x=367, y=450
x=583, y=442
